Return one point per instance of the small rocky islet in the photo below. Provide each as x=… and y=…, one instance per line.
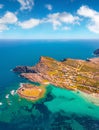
x=30, y=91
x=72, y=74
x=96, y=52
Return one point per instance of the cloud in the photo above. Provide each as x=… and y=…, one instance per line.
x=1, y=6
x=26, y=4
x=66, y=28
x=58, y=19
x=49, y=6
x=29, y=23
x=8, y=18
x=3, y=27
x=93, y=23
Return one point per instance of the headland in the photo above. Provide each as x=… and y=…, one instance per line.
x=72, y=74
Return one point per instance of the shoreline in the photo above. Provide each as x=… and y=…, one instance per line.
x=71, y=74
x=90, y=97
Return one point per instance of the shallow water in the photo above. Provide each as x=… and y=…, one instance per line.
x=60, y=108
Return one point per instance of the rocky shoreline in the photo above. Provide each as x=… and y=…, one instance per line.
x=30, y=91
x=72, y=74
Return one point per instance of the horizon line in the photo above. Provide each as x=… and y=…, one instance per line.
x=55, y=39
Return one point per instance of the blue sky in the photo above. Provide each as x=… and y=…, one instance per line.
x=49, y=19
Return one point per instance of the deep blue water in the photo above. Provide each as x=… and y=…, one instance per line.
x=28, y=52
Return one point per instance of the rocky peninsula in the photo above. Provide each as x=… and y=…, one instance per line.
x=72, y=74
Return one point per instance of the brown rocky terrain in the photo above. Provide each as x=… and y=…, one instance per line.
x=73, y=74
x=30, y=91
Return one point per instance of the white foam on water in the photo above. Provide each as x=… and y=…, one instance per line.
x=13, y=92
x=21, y=85
x=1, y=103
x=7, y=96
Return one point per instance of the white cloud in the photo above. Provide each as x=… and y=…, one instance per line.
x=94, y=27
x=49, y=6
x=58, y=19
x=86, y=12
x=93, y=23
x=68, y=18
x=29, y=23
x=8, y=18
x=3, y=27
x=1, y=6
x=66, y=28
x=26, y=4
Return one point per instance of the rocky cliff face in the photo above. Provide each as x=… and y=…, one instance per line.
x=24, y=69
x=70, y=73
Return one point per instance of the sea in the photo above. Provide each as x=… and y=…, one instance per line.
x=59, y=109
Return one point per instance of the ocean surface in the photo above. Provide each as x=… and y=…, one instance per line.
x=60, y=109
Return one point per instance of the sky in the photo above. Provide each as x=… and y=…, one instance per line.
x=49, y=19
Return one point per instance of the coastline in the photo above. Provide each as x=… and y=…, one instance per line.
x=90, y=97
x=72, y=74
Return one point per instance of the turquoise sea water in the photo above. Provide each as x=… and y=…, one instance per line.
x=60, y=109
